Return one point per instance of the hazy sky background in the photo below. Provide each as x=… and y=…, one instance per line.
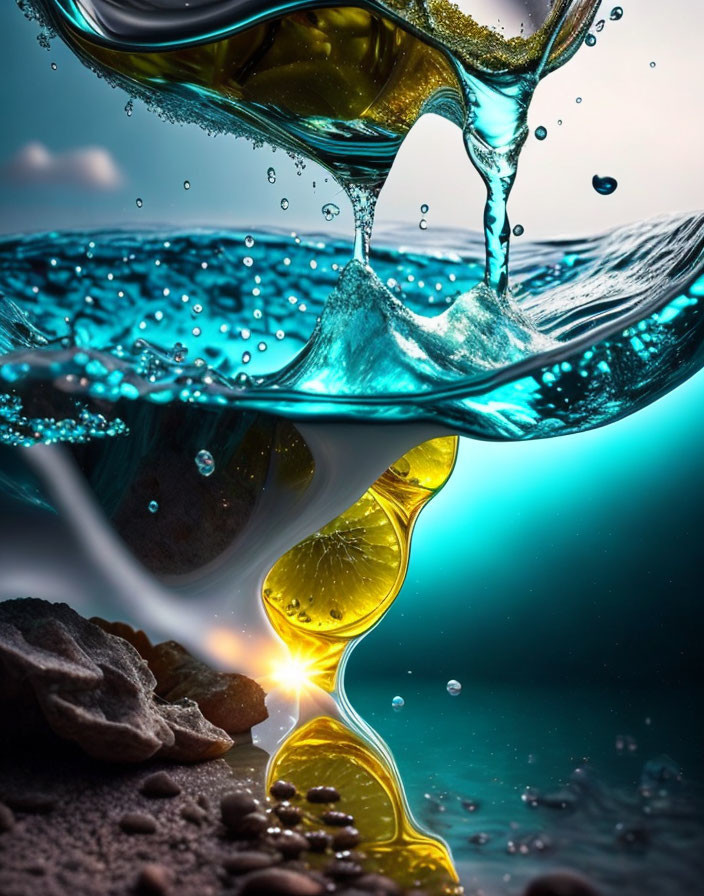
x=636, y=123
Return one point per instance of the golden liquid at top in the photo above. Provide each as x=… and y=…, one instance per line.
x=343, y=64
x=324, y=751
x=336, y=585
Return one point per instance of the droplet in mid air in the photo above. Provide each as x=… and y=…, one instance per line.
x=653, y=64
x=454, y=687
x=599, y=25
x=518, y=230
x=330, y=211
x=541, y=132
x=590, y=40
x=271, y=175
x=605, y=186
x=54, y=66
x=424, y=209
x=398, y=703
x=153, y=506
x=138, y=202
x=205, y=463
x=284, y=203
x=129, y=108
x=423, y=224
x=249, y=241
x=616, y=14
x=186, y=185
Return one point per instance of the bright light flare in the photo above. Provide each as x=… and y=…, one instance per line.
x=293, y=674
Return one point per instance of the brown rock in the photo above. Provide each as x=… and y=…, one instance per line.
x=318, y=841
x=138, y=823
x=160, y=785
x=560, y=883
x=346, y=838
x=154, y=880
x=288, y=815
x=378, y=884
x=322, y=794
x=235, y=805
x=229, y=700
x=93, y=688
x=7, y=819
x=280, y=882
x=289, y=843
x=283, y=790
x=250, y=860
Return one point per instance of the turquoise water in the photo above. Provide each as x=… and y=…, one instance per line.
x=594, y=329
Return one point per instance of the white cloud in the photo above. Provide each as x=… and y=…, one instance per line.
x=89, y=167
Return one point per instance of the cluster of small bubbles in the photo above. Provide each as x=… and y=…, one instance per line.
x=271, y=175
x=518, y=230
x=454, y=687
x=625, y=744
x=138, y=202
x=590, y=40
x=541, y=132
x=205, y=463
x=616, y=14
x=284, y=203
x=153, y=506
x=44, y=40
x=249, y=241
x=186, y=185
x=398, y=703
x=129, y=108
x=330, y=211
x=605, y=186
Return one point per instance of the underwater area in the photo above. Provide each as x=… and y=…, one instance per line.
x=343, y=555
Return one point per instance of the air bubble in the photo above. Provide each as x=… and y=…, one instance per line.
x=249, y=241
x=398, y=703
x=205, y=463
x=454, y=687
x=138, y=202
x=330, y=211
x=153, y=506
x=53, y=66
x=186, y=185
x=284, y=203
x=271, y=175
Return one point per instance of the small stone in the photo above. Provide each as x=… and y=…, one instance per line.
x=250, y=860
x=323, y=794
x=336, y=819
x=280, y=882
x=318, y=841
x=7, y=819
x=283, y=790
x=560, y=883
x=344, y=869
x=138, y=823
x=193, y=813
x=160, y=785
x=235, y=805
x=378, y=884
x=31, y=803
x=252, y=825
x=288, y=815
x=154, y=880
x=346, y=838
x=289, y=843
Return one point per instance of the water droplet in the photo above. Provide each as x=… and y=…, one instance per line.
x=398, y=703
x=249, y=241
x=246, y=357
x=454, y=687
x=271, y=175
x=590, y=40
x=652, y=64
x=599, y=25
x=616, y=14
x=423, y=224
x=579, y=99
x=604, y=185
x=284, y=203
x=248, y=261
x=330, y=211
x=153, y=506
x=205, y=463
x=559, y=121
x=518, y=230
x=129, y=108
x=541, y=132
x=139, y=202
x=186, y=185
x=54, y=66
x=424, y=209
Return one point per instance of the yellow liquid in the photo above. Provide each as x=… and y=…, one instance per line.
x=324, y=751
x=334, y=586
x=290, y=78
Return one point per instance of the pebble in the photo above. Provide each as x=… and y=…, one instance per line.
x=154, y=880
x=336, y=819
x=138, y=823
x=280, y=882
x=318, y=841
x=560, y=883
x=289, y=843
x=31, y=803
x=378, y=884
x=344, y=869
x=346, y=838
x=250, y=860
x=288, y=815
x=160, y=785
x=251, y=825
x=235, y=805
x=323, y=794
x=283, y=790
x=7, y=819
x=193, y=813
